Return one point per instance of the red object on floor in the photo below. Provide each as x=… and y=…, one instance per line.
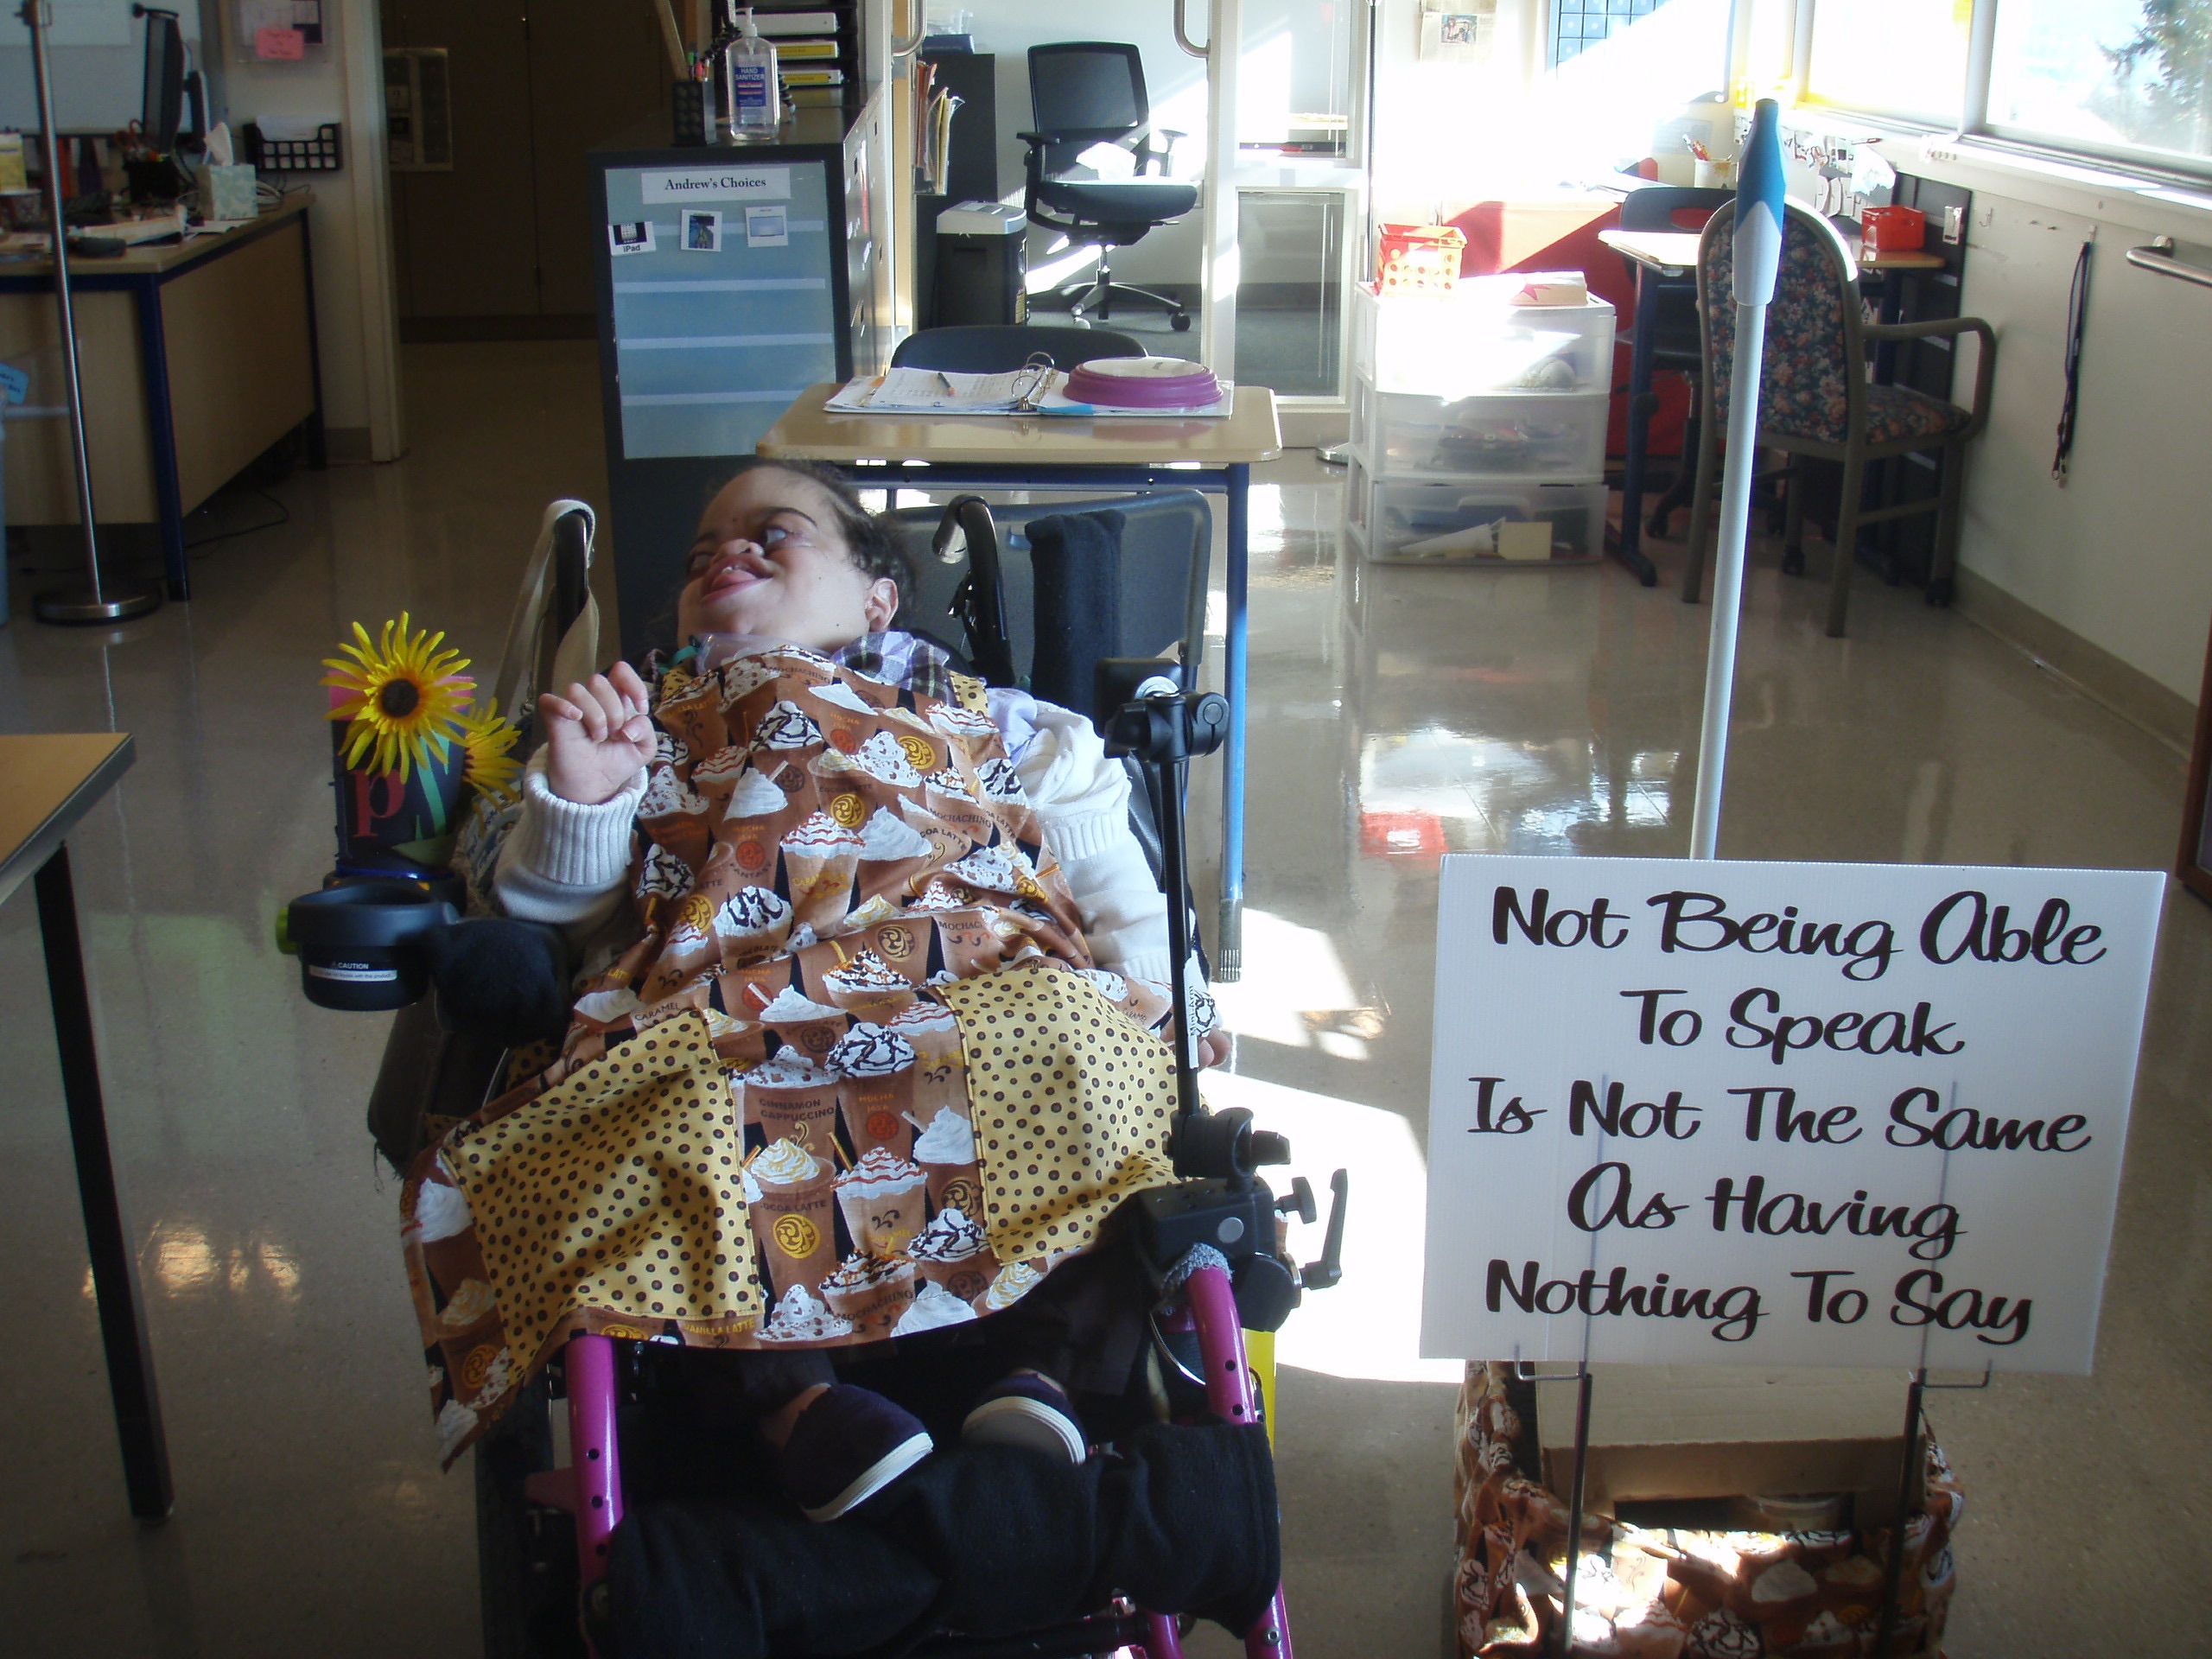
x=1403, y=835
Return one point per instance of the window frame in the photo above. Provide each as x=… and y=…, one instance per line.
x=1974, y=125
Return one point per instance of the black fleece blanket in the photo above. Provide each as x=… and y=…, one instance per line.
x=988, y=1541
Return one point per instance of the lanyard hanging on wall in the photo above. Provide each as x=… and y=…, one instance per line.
x=2077, y=314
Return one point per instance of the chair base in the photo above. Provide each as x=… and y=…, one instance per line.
x=1101, y=290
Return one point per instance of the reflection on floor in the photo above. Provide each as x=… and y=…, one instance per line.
x=1396, y=715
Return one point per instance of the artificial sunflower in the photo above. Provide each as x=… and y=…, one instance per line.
x=404, y=697
x=487, y=737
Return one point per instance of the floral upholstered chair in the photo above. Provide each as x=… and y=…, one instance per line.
x=1815, y=399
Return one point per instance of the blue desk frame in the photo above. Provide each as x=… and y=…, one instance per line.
x=1233, y=482
x=1651, y=282
x=145, y=287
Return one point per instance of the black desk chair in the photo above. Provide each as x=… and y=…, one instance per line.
x=1001, y=348
x=1086, y=93
x=1678, y=341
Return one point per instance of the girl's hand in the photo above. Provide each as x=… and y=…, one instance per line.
x=596, y=737
x=1215, y=1048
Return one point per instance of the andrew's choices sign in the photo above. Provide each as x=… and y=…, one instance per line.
x=1779, y=1114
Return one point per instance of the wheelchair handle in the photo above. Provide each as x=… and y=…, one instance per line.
x=1324, y=1274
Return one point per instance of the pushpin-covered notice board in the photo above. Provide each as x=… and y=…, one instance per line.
x=1709, y=1113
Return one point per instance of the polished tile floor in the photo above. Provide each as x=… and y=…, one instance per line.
x=1489, y=710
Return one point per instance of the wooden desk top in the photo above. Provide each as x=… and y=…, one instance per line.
x=1912, y=259
x=806, y=432
x=1675, y=251
x=47, y=783
x=1669, y=251
x=149, y=259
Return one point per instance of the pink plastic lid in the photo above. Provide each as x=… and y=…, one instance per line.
x=1144, y=383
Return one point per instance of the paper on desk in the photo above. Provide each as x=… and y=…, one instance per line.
x=935, y=391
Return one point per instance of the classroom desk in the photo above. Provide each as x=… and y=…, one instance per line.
x=47, y=783
x=1666, y=261
x=1002, y=452
x=195, y=358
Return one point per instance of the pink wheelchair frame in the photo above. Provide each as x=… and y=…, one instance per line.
x=590, y=1488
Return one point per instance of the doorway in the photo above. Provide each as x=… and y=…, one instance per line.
x=498, y=104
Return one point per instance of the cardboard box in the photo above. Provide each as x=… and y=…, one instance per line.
x=1687, y=1432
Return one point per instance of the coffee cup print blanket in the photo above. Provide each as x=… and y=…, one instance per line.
x=803, y=1107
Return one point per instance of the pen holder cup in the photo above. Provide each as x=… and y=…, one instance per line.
x=692, y=102
x=228, y=191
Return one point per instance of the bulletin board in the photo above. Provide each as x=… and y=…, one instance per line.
x=722, y=299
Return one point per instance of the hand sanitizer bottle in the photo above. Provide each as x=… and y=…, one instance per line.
x=755, y=93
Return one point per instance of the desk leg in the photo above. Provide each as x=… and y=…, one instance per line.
x=1629, y=548
x=318, y=452
x=115, y=1268
x=1229, y=945
x=168, y=497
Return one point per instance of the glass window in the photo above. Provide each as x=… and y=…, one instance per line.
x=1290, y=291
x=2128, y=75
x=1897, y=57
x=1293, y=79
x=1578, y=25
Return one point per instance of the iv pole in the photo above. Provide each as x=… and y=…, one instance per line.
x=116, y=602
x=1757, y=258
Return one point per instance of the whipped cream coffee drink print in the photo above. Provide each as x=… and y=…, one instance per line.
x=1779, y=1114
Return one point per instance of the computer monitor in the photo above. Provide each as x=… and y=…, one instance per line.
x=163, y=102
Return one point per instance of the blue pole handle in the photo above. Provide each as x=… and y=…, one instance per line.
x=1758, y=207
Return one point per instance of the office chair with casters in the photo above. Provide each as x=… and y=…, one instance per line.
x=1001, y=348
x=1087, y=92
x=1676, y=342
x=1815, y=401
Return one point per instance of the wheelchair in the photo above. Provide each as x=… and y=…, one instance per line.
x=550, y=1474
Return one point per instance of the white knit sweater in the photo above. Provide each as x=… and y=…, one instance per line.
x=569, y=864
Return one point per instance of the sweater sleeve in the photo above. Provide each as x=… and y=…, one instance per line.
x=564, y=862
x=1082, y=798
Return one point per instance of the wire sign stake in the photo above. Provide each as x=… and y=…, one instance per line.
x=1758, y=259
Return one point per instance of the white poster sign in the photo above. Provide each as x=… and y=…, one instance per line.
x=1711, y=1113
x=716, y=184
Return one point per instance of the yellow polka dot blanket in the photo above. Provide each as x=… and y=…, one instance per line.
x=856, y=1080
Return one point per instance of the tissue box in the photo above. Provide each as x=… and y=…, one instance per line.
x=228, y=193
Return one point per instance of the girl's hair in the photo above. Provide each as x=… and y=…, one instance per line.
x=874, y=542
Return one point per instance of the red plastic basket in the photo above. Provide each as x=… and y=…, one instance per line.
x=1418, y=258
x=1893, y=230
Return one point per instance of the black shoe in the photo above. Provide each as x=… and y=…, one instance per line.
x=1029, y=1411
x=845, y=1448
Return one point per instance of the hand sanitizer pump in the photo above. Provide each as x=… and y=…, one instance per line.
x=756, y=103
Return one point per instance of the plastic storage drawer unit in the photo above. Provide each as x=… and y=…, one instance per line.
x=1472, y=341
x=1499, y=522
x=1486, y=436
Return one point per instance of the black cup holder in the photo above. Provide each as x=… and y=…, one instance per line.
x=359, y=942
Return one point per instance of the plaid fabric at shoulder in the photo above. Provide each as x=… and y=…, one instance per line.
x=902, y=660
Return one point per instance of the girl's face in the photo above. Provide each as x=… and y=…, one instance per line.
x=769, y=561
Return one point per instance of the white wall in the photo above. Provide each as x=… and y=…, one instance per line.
x=1175, y=81
x=98, y=54
x=2119, y=554
x=355, y=318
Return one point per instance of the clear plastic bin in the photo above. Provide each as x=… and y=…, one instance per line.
x=1504, y=523
x=1488, y=436
x=1473, y=341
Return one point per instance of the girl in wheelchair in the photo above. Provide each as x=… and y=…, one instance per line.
x=865, y=1043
